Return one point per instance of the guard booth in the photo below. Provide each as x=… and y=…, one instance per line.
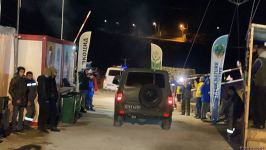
x=36, y=52
x=253, y=138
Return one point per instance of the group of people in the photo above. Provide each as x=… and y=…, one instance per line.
x=184, y=93
x=199, y=90
x=24, y=89
x=88, y=85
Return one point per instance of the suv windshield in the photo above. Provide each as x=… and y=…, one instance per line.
x=114, y=72
x=141, y=78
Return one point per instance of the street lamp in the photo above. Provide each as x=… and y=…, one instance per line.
x=182, y=29
x=134, y=25
x=105, y=21
x=154, y=24
x=117, y=23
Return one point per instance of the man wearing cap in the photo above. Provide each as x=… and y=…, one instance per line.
x=259, y=87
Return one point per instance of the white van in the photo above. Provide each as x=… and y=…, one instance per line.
x=111, y=73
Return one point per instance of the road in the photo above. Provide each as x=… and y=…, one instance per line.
x=95, y=131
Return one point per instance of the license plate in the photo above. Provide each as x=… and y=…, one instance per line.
x=133, y=107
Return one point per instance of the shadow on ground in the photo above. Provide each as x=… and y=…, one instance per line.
x=30, y=147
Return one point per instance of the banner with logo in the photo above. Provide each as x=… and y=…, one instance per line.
x=217, y=62
x=156, y=57
x=84, y=44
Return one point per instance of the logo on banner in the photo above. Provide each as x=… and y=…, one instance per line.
x=219, y=50
x=156, y=57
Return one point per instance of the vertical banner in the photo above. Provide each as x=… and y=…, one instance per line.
x=156, y=57
x=84, y=44
x=217, y=62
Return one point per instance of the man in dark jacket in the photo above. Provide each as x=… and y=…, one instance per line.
x=259, y=88
x=44, y=92
x=31, y=95
x=234, y=110
x=187, y=95
x=18, y=91
x=205, y=91
x=54, y=115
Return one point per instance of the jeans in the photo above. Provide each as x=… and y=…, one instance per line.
x=43, y=114
x=185, y=106
x=198, y=107
x=17, y=113
x=204, y=109
x=89, y=101
x=54, y=114
x=30, y=113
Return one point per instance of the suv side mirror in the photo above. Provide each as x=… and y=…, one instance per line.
x=116, y=80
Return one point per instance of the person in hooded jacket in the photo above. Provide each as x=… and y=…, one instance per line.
x=198, y=97
x=234, y=110
x=205, y=91
x=54, y=114
x=259, y=88
x=44, y=92
x=31, y=95
x=186, y=96
x=18, y=92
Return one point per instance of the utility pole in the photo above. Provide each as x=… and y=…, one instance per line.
x=0, y=10
x=62, y=21
x=17, y=34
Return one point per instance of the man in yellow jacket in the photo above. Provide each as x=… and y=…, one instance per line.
x=198, y=97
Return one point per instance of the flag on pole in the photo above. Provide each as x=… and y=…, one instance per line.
x=84, y=44
x=156, y=57
x=217, y=62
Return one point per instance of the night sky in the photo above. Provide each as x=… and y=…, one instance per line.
x=111, y=42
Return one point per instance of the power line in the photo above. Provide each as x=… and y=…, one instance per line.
x=194, y=39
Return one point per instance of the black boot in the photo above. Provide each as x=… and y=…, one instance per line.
x=55, y=129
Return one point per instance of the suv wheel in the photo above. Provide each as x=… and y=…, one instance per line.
x=118, y=121
x=166, y=124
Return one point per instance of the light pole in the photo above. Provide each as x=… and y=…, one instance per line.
x=0, y=9
x=157, y=28
x=17, y=35
x=182, y=29
x=62, y=21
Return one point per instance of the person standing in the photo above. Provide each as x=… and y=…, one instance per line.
x=91, y=90
x=18, y=92
x=31, y=95
x=259, y=88
x=44, y=92
x=205, y=91
x=54, y=114
x=187, y=95
x=84, y=89
x=198, y=98
x=234, y=110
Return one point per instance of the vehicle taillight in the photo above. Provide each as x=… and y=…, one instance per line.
x=121, y=112
x=166, y=115
x=170, y=100
x=119, y=97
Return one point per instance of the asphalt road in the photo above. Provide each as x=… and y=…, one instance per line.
x=95, y=131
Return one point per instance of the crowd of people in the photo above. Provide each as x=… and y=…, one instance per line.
x=24, y=89
x=198, y=91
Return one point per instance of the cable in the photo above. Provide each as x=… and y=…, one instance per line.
x=255, y=10
x=197, y=34
x=232, y=23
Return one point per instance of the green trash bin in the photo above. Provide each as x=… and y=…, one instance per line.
x=68, y=108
